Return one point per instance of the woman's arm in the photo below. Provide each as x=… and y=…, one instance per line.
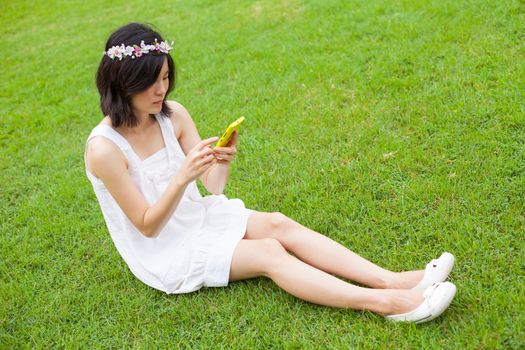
x=106, y=161
x=215, y=178
x=218, y=174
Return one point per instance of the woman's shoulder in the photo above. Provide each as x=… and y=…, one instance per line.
x=101, y=144
x=104, y=121
x=101, y=151
x=107, y=121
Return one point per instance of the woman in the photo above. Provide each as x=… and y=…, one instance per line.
x=143, y=160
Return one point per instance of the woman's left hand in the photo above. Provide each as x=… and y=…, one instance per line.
x=226, y=154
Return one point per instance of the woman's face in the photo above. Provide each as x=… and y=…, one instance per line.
x=150, y=100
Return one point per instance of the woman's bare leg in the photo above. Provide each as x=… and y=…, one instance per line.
x=325, y=254
x=267, y=257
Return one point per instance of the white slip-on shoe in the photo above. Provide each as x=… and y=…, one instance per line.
x=437, y=271
x=437, y=299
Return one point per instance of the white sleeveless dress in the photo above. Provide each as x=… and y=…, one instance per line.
x=196, y=246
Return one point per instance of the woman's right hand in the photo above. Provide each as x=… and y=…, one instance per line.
x=199, y=159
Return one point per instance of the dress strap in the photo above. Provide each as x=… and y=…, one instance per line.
x=175, y=153
x=111, y=134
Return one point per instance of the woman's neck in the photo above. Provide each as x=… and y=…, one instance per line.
x=144, y=122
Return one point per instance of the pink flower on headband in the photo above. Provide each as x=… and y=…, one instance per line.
x=123, y=51
x=138, y=51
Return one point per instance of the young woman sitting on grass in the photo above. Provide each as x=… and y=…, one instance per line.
x=143, y=160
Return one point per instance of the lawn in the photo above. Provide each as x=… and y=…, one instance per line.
x=394, y=127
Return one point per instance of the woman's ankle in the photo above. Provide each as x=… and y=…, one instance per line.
x=403, y=300
x=405, y=280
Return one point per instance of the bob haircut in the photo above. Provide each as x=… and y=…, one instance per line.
x=118, y=81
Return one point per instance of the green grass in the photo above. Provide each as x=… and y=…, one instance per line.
x=397, y=128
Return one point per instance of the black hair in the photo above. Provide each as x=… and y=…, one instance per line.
x=118, y=80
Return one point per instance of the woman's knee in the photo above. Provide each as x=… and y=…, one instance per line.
x=272, y=254
x=256, y=257
x=279, y=222
x=274, y=225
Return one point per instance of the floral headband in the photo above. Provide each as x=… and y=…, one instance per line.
x=122, y=51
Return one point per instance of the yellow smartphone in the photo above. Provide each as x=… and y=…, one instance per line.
x=226, y=137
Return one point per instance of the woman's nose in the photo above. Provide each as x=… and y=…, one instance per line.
x=161, y=89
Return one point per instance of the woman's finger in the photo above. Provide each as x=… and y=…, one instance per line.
x=206, y=142
x=205, y=159
x=225, y=150
x=227, y=157
x=205, y=151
